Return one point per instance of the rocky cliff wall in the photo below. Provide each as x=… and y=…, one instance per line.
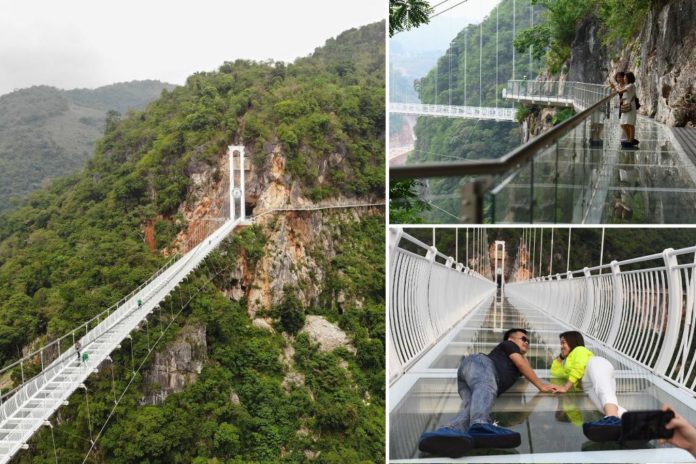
x=177, y=365
x=662, y=56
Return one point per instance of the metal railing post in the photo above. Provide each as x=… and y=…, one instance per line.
x=589, y=301
x=617, y=304
x=674, y=292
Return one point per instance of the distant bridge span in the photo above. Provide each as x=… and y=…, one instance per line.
x=451, y=111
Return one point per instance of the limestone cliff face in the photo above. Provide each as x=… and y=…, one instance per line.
x=589, y=61
x=177, y=365
x=666, y=63
x=537, y=123
x=662, y=56
x=299, y=243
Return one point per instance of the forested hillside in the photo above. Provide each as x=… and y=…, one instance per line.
x=267, y=391
x=46, y=133
x=474, y=70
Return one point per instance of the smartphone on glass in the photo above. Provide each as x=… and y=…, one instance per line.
x=646, y=425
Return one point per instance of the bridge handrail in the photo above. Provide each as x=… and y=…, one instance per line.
x=648, y=314
x=25, y=391
x=98, y=317
x=428, y=299
x=106, y=322
x=504, y=164
x=579, y=94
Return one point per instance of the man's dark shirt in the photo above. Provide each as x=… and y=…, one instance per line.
x=507, y=372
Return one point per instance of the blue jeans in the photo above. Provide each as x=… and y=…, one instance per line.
x=478, y=389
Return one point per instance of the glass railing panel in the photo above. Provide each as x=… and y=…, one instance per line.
x=511, y=199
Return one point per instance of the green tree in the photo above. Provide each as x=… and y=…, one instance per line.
x=405, y=206
x=292, y=313
x=407, y=14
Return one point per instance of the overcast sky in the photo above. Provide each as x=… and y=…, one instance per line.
x=89, y=43
x=442, y=29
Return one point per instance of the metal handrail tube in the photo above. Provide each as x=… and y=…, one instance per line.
x=649, y=315
x=104, y=325
x=86, y=323
x=127, y=320
x=512, y=160
x=427, y=299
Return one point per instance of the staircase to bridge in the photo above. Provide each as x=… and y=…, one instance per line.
x=638, y=314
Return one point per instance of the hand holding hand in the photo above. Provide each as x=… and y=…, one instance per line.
x=546, y=388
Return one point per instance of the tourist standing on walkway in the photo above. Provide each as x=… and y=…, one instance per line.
x=481, y=378
x=628, y=108
x=575, y=364
x=78, y=347
x=620, y=77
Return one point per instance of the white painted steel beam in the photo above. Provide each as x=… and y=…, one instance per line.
x=468, y=112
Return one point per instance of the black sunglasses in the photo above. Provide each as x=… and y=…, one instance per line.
x=524, y=339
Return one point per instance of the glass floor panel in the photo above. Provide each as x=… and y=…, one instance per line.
x=575, y=183
x=548, y=423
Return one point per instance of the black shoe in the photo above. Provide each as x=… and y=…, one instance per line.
x=634, y=142
x=446, y=442
x=492, y=436
x=606, y=429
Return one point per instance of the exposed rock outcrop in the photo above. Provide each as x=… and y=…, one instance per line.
x=177, y=366
x=588, y=62
x=662, y=56
x=327, y=335
x=666, y=63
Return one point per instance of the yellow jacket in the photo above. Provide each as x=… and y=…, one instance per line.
x=573, y=368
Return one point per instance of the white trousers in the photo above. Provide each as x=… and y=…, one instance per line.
x=600, y=384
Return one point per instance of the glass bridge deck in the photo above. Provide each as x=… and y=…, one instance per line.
x=577, y=180
x=548, y=423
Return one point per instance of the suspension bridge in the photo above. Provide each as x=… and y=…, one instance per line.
x=575, y=172
x=29, y=404
x=638, y=313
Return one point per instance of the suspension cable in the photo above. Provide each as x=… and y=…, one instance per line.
x=497, y=7
x=53, y=439
x=445, y=11
x=531, y=46
x=541, y=251
x=514, y=2
x=466, y=69
x=568, y=258
x=481, y=67
x=147, y=355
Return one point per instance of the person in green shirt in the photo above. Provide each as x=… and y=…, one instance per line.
x=578, y=365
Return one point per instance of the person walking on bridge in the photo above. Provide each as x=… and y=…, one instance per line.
x=578, y=365
x=481, y=378
x=628, y=108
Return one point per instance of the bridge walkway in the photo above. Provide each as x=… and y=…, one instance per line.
x=425, y=397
